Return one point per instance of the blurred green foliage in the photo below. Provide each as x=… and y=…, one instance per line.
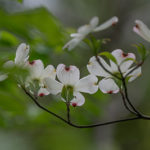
x=19, y=115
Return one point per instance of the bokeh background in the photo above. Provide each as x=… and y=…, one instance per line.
x=45, y=25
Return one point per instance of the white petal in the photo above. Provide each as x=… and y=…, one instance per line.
x=85, y=29
x=68, y=75
x=120, y=57
x=73, y=43
x=49, y=71
x=108, y=86
x=43, y=92
x=87, y=84
x=36, y=68
x=22, y=54
x=106, y=24
x=78, y=100
x=9, y=64
x=136, y=73
x=94, y=21
x=95, y=68
x=3, y=76
x=73, y=35
x=141, y=29
x=53, y=86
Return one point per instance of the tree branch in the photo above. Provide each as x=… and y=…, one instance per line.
x=83, y=126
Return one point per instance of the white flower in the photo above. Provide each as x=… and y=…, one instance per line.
x=70, y=77
x=38, y=73
x=84, y=30
x=107, y=84
x=142, y=30
x=22, y=55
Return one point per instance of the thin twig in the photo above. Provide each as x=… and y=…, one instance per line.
x=136, y=67
x=125, y=104
x=100, y=63
x=68, y=111
x=83, y=126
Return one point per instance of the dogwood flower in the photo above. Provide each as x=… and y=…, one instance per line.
x=69, y=77
x=142, y=30
x=108, y=84
x=37, y=72
x=22, y=55
x=84, y=30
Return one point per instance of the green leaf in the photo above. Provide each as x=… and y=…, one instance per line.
x=67, y=93
x=109, y=56
x=142, y=51
x=8, y=39
x=20, y=1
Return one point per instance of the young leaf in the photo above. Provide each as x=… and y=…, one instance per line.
x=20, y=1
x=109, y=56
x=142, y=51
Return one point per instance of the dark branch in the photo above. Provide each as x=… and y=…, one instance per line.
x=83, y=126
x=125, y=104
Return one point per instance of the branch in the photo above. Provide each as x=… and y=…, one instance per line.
x=125, y=104
x=83, y=126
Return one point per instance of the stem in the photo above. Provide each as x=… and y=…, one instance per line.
x=127, y=98
x=136, y=67
x=83, y=126
x=125, y=104
x=100, y=63
x=68, y=111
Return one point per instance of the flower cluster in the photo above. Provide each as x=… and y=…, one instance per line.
x=65, y=80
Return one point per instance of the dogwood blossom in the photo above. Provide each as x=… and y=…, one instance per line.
x=37, y=72
x=84, y=30
x=108, y=84
x=70, y=77
x=22, y=56
x=142, y=30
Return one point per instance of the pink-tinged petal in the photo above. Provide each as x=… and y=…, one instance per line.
x=108, y=86
x=87, y=84
x=136, y=73
x=49, y=71
x=68, y=75
x=95, y=68
x=94, y=21
x=120, y=57
x=142, y=30
x=78, y=100
x=36, y=68
x=54, y=87
x=43, y=92
x=107, y=24
x=22, y=54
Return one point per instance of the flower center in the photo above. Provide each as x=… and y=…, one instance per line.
x=110, y=92
x=124, y=55
x=74, y=104
x=41, y=94
x=32, y=62
x=114, y=23
x=67, y=68
x=137, y=26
